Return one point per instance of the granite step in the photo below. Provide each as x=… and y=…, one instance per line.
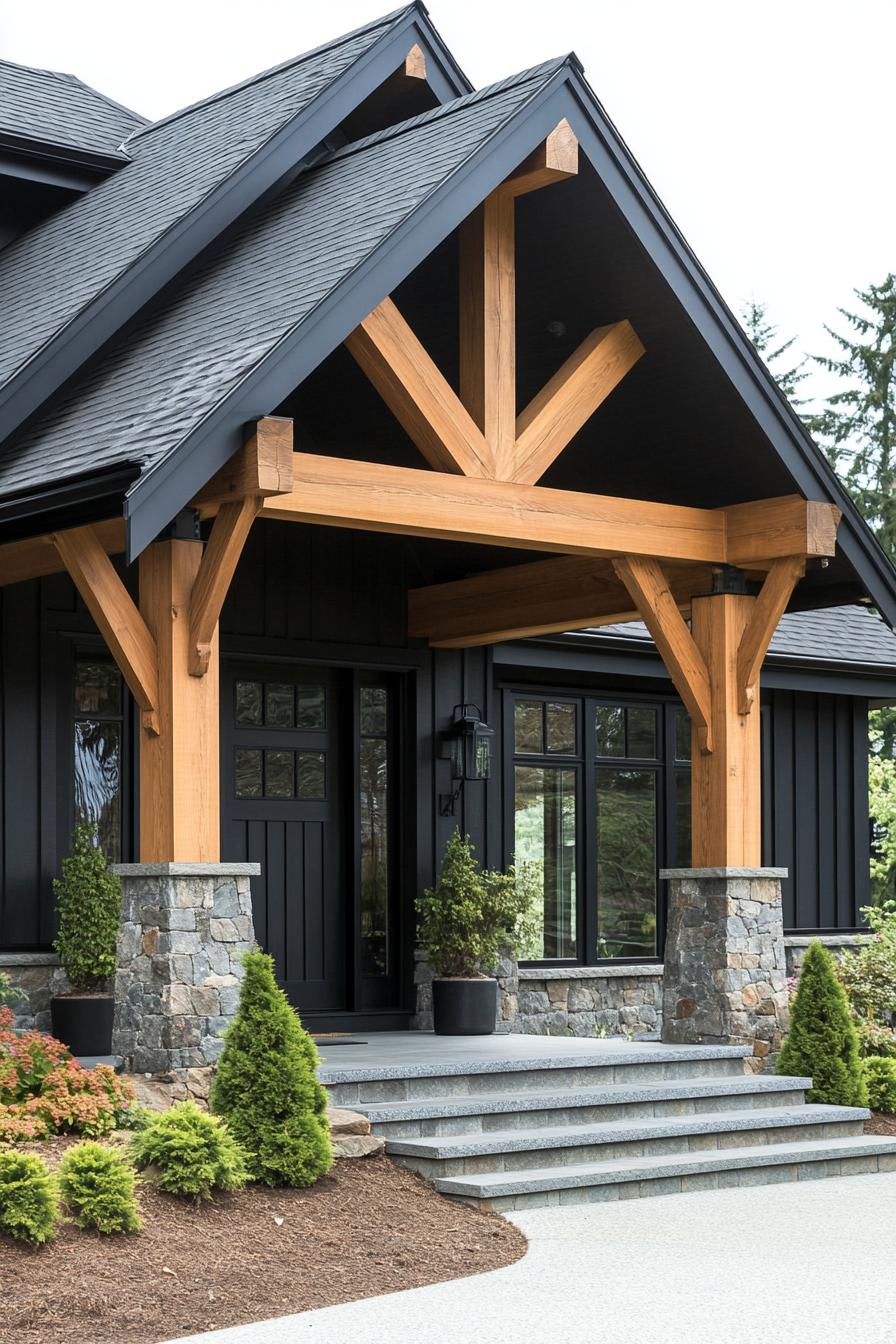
x=570, y=1145
x=451, y=1115
x=595, y=1182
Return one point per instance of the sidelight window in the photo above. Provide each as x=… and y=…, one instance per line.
x=374, y=805
x=98, y=736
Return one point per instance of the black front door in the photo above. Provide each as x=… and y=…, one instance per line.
x=309, y=791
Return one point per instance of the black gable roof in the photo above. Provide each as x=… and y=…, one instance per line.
x=47, y=109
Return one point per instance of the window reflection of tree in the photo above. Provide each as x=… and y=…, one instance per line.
x=97, y=769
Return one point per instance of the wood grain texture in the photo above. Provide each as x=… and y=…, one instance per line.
x=571, y=397
x=776, y=592
x=539, y=598
x=114, y=613
x=179, y=769
x=420, y=398
x=726, y=785
x=415, y=63
x=649, y=589
x=787, y=525
x=38, y=556
x=488, y=326
x=263, y=466
x=555, y=159
x=219, y=561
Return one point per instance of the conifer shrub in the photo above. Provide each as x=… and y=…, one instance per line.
x=28, y=1202
x=193, y=1153
x=266, y=1084
x=97, y=1186
x=88, y=903
x=822, y=1042
x=880, y=1079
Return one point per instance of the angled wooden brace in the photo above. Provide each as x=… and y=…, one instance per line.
x=116, y=615
x=783, y=576
x=650, y=593
x=216, y=569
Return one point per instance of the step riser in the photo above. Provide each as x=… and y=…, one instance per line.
x=434, y=1168
x=582, y=1115
x=749, y=1176
x=534, y=1080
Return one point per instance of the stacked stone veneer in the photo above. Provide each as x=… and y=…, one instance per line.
x=184, y=928
x=725, y=975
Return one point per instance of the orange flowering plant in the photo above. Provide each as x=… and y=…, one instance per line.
x=44, y=1090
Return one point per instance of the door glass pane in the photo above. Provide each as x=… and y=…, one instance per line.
x=312, y=711
x=279, y=774
x=374, y=711
x=609, y=722
x=682, y=818
x=248, y=702
x=278, y=705
x=642, y=734
x=247, y=773
x=97, y=688
x=98, y=782
x=374, y=801
x=626, y=862
x=545, y=855
x=561, y=729
x=682, y=735
x=312, y=775
x=528, y=721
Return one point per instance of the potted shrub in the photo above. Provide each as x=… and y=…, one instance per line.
x=88, y=904
x=463, y=924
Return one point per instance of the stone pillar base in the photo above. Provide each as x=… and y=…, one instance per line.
x=725, y=979
x=184, y=928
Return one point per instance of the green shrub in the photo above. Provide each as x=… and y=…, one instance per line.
x=97, y=1186
x=876, y=1040
x=88, y=901
x=880, y=1078
x=28, y=1208
x=266, y=1084
x=9, y=993
x=470, y=915
x=869, y=974
x=822, y=1041
x=194, y=1153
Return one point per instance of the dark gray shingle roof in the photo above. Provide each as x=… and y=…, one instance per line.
x=50, y=274
x=57, y=109
x=847, y=635
x=202, y=337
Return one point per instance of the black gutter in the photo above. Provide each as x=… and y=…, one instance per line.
x=282, y=157
x=70, y=504
x=54, y=164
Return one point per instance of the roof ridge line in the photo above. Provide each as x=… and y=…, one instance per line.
x=66, y=76
x=386, y=21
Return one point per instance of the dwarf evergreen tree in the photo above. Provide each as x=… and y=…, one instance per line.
x=266, y=1085
x=765, y=338
x=822, y=1043
x=88, y=900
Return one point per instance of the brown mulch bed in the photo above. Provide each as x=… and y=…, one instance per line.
x=369, y=1227
x=881, y=1124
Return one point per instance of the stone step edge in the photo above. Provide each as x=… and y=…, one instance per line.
x=493, y=1103
x=492, y=1185
x=476, y=1144
x=331, y=1074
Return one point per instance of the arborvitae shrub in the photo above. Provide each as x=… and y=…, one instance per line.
x=97, y=1186
x=880, y=1078
x=88, y=901
x=28, y=1208
x=192, y=1152
x=822, y=1042
x=266, y=1085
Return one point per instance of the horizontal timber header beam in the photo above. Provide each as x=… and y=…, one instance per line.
x=368, y=496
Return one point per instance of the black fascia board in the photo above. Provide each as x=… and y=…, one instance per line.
x=171, y=482
x=85, y=499
x=282, y=157
x=56, y=165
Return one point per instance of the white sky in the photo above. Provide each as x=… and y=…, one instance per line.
x=767, y=128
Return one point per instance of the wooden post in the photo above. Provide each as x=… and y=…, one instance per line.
x=726, y=783
x=179, y=775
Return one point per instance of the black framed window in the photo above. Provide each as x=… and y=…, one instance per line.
x=375, y=748
x=599, y=801
x=98, y=741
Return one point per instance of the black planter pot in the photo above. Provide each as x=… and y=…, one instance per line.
x=83, y=1022
x=464, y=1007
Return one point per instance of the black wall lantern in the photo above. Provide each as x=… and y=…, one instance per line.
x=469, y=749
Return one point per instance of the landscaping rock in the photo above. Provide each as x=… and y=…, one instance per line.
x=344, y=1122
x=358, y=1145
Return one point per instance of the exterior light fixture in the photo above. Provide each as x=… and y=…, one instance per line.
x=469, y=750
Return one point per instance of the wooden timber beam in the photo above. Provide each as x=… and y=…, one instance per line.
x=555, y=159
x=263, y=466
x=783, y=576
x=37, y=557
x=764, y=529
x=414, y=66
x=213, y=578
x=543, y=597
x=487, y=342
x=420, y=398
x=115, y=615
x=338, y=492
x=571, y=397
x=649, y=589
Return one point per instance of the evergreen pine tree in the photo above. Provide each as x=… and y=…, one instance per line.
x=266, y=1084
x=764, y=336
x=822, y=1043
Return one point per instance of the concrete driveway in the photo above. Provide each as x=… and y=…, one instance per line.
x=799, y=1264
